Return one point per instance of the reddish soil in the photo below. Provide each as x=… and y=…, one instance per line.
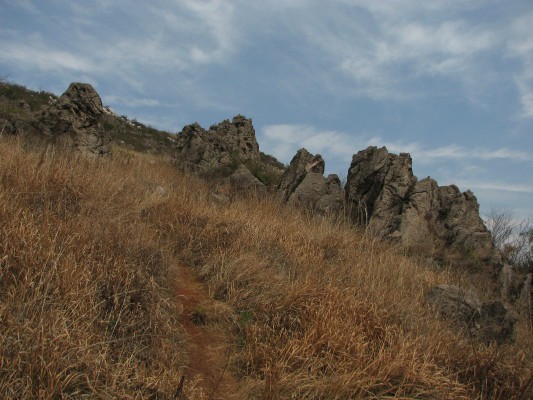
x=207, y=375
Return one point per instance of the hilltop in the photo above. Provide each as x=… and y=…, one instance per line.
x=167, y=266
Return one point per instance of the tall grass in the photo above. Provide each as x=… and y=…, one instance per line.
x=85, y=305
x=317, y=310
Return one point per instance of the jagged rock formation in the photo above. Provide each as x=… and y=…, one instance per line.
x=75, y=119
x=202, y=151
x=303, y=185
x=382, y=192
x=489, y=321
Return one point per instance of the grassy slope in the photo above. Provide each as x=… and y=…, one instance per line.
x=319, y=310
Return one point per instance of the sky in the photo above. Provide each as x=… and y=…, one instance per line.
x=448, y=81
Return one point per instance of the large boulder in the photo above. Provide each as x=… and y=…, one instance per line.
x=488, y=322
x=382, y=192
x=75, y=119
x=202, y=151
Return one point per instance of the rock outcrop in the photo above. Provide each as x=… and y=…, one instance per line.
x=75, y=118
x=303, y=185
x=202, y=151
x=382, y=192
x=488, y=322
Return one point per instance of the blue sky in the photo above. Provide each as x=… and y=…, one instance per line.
x=449, y=81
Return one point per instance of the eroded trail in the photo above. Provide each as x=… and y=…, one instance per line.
x=208, y=374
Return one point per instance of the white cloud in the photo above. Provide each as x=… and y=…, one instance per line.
x=498, y=186
x=41, y=56
x=284, y=139
x=161, y=37
x=132, y=101
x=520, y=45
x=385, y=55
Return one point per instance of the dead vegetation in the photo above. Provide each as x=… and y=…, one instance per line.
x=315, y=309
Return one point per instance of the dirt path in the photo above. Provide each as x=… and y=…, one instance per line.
x=208, y=374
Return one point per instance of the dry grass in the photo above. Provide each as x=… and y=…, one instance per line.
x=317, y=309
x=84, y=302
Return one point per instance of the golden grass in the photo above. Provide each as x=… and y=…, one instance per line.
x=318, y=309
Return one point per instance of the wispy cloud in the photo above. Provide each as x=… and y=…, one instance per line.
x=385, y=48
x=285, y=137
x=497, y=186
x=283, y=140
x=39, y=55
x=520, y=45
x=161, y=37
x=132, y=101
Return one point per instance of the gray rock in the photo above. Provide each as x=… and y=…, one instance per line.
x=242, y=180
x=7, y=127
x=377, y=187
x=516, y=287
x=488, y=322
x=301, y=164
x=303, y=185
x=202, y=151
x=382, y=192
x=75, y=120
x=25, y=106
x=332, y=203
x=456, y=304
x=309, y=191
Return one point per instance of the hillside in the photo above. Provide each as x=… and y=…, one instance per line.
x=123, y=277
x=19, y=107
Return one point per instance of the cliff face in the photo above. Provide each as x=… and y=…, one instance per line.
x=382, y=192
